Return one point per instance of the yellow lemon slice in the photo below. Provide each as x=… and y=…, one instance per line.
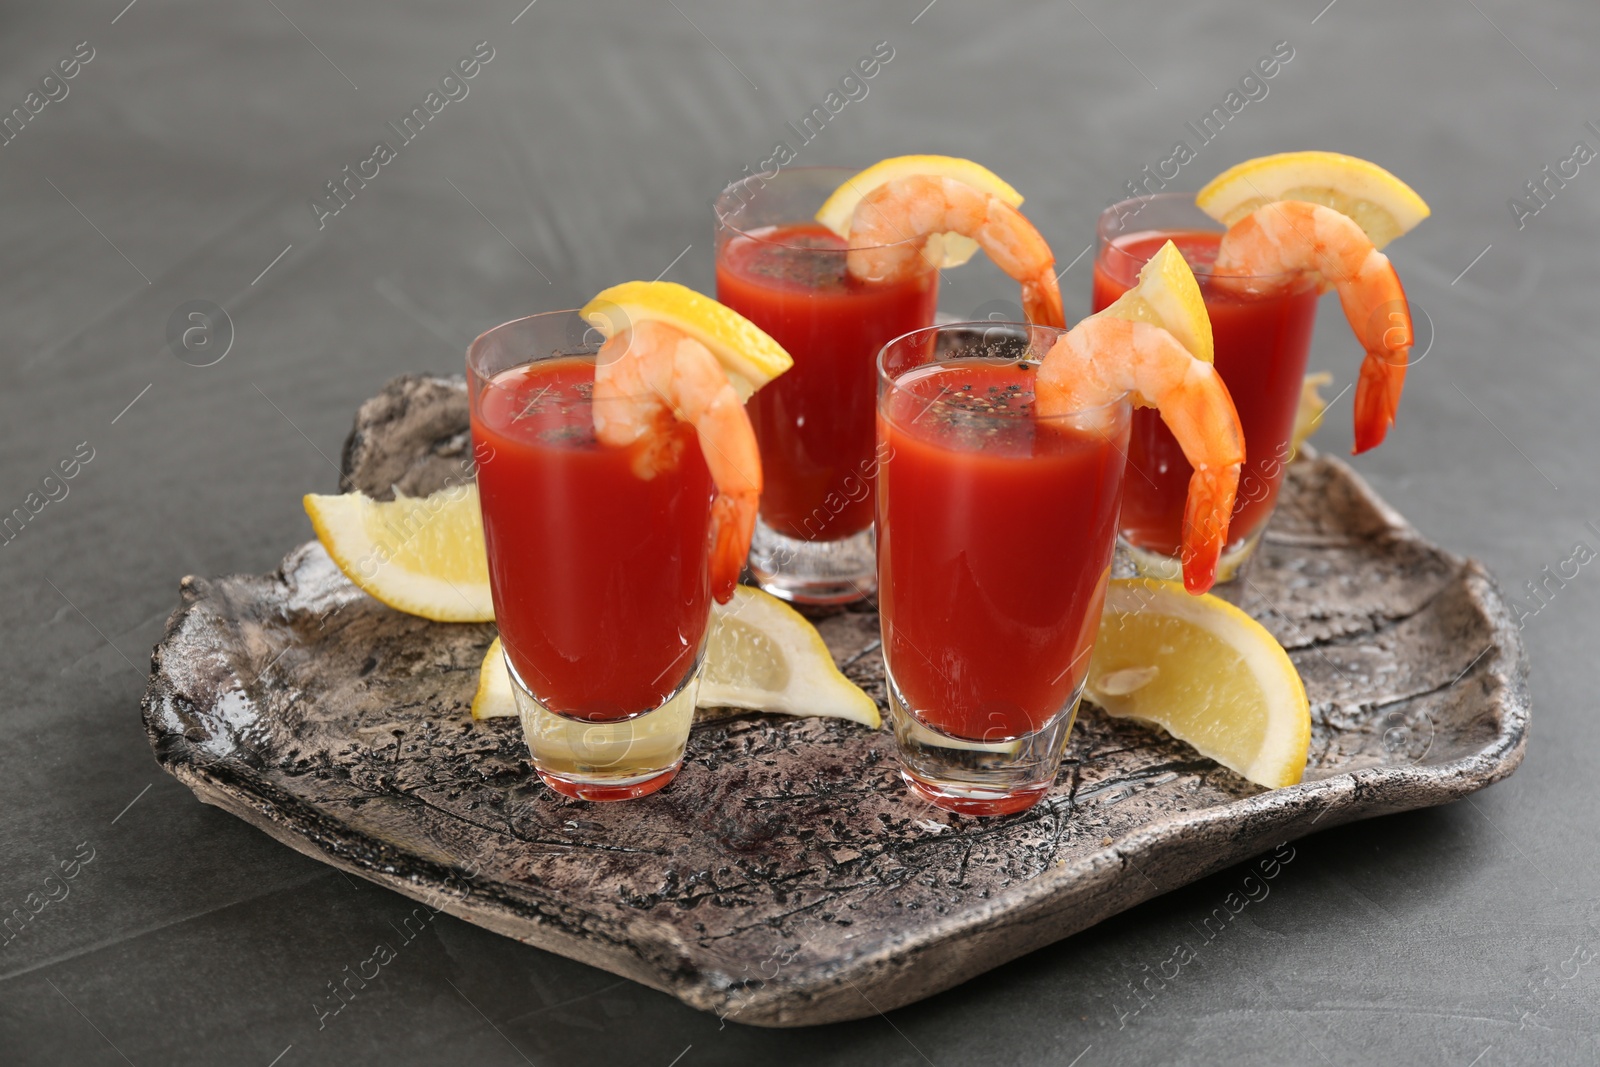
x=1308, y=416
x=750, y=357
x=495, y=697
x=1381, y=204
x=840, y=207
x=420, y=555
x=1168, y=296
x=1205, y=672
x=761, y=654
x=764, y=655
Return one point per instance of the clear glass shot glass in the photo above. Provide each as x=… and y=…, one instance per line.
x=996, y=531
x=600, y=577
x=1261, y=327
x=787, y=274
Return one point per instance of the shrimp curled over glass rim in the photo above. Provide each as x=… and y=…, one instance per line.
x=895, y=221
x=652, y=374
x=1102, y=359
x=1286, y=240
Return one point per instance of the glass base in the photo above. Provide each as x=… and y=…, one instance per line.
x=1231, y=566
x=616, y=760
x=978, y=777
x=815, y=572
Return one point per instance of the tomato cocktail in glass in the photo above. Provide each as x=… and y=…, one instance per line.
x=786, y=273
x=1262, y=340
x=995, y=537
x=600, y=577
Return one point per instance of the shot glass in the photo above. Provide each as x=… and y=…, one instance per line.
x=786, y=273
x=995, y=537
x=600, y=577
x=1261, y=328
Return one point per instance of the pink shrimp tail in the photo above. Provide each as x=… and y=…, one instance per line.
x=732, y=526
x=1041, y=300
x=1205, y=524
x=1383, y=375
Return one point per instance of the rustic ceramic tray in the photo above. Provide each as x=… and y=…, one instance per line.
x=786, y=877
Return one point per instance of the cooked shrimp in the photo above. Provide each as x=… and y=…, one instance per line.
x=646, y=377
x=1102, y=359
x=1292, y=237
x=891, y=218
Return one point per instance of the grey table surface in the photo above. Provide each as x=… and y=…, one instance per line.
x=179, y=166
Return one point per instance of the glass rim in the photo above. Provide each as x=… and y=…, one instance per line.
x=727, y=190
x=888, y=382
x=1107, y=243
x=475, y=348
x=475, y=354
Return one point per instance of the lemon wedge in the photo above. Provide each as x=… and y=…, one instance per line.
x=750, y=357
x=761, y=654
x=837, y=211
x=1205, y=672
x=1381, y=204
x=1308, y=416
x=420, y=555
x=495, y=698
x=1168, y=296
x=764, y=655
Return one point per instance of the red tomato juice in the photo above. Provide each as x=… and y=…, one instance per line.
x=995, y=536
x=1261, y=347
x=814, y=423
x=600, y=577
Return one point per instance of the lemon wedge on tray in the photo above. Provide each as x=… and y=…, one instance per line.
x=837, y=211
x=420, y=555
x=747, y=353
x=1381, y=204
x=1168, y=296
x=761, y=654
x=1207, y=673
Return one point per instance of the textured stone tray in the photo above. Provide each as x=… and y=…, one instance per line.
x=786, y=877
